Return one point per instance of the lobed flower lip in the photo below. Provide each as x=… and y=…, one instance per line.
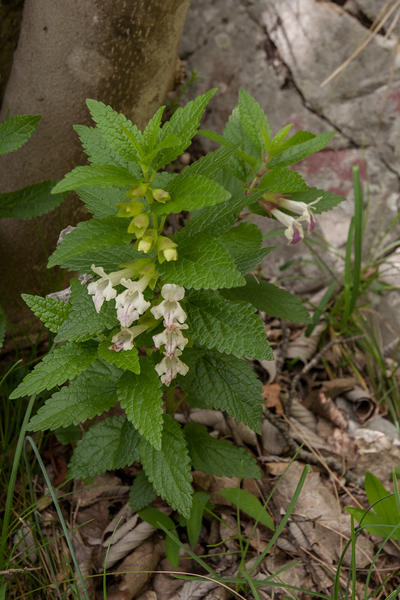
x=294, y=229
x=171, y=340
x=103, y=288
x=169, y=368
x=131, y=303
x=123, y=340
x=170, y=308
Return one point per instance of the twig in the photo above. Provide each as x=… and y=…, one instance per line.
x=12, y=571
x=312, y=363
x=330, y=463
x=280, y=361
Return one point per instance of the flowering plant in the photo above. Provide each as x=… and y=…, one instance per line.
x=159, y=310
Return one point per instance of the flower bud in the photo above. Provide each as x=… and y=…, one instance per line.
x=139, y=225
x=166, y=250
x=129, y=209
x=137, y=191
x=148, y=241
x=160, y=196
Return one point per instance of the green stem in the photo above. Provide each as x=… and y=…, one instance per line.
x=10, y=493
x=170, y=400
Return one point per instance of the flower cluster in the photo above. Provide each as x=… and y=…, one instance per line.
x=294, y=229
x=171, y=338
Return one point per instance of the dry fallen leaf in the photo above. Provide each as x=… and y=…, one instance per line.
x=195, y=589
x=304, y=347
x=144, y=558
x=93, y=520
x=271, y=395
x=103, y=485
x=132, y=540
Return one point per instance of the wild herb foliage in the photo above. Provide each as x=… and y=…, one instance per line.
x=186, y=302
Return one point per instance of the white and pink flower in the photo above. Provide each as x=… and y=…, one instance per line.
x=169, y=368
x=131, y=303
x=294, y=229
x=123, y=340
x=103, y=288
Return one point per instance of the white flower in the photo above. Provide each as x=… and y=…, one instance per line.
x=172, y=339
x=123, y=340
x=169, y=368
x=294, y=229
x=304, y=209
x=170, y=308
x=131, y=303
x=103, y=289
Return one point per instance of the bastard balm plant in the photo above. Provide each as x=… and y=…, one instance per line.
x=154, y=312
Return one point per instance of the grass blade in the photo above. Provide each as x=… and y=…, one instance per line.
x=358, y=235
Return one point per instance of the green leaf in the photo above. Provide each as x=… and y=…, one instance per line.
x=30, y=202
x=172, y=548
x=3, y=322
x=300, y=151
x=50, y=311
x=327, y=201
x=125, y=359
x=110, y=124
x=193, y=524
x=90, y=394
x=225, y=382
x=91, y=235
x=169, y=141
x=246, y=237
x=83, y=320
x=95, y=175
x=189, y=193
x=230, y=327
x=210, y=164
x=252, y=116
x=236, y=134
x=16, y=131
x=248, y=261
x=109, y=258
x=168, y=469
x=140, y=396
x=155, y=517
x=376, y=524
x=387, y=508
x=66, y=362
x=68, y=435
x=213, y=137
x=101, y=201
x=280, y=136
x=98, y=149
x=218, y=457
x=111, y=444
x=295, y=140
x=270, y=299
x=203, y=263
x=141, y=493
x=152, y=131
x=249, y=504
x=183, y=123
x=282, y=181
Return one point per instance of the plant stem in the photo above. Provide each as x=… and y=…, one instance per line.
x=170, y=400
x=10, y=493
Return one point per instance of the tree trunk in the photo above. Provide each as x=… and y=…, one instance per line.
x=122, y=52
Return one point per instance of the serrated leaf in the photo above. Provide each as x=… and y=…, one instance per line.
x=140, y=396
x=218, y=457
x=210, y=164
x=213, y=136
x=3, y=322
x=225, y=382
x=50, y=311
x=97, y=148
x=280, y=136
x=282, y=181
x=16, y=131
x=230, y=327
x=125, y=359
x=109, y=122
x=90, y=394
x=83, y=320
x=109, y=258
x=68, y=435
x=249, y=260
x=327, y=202
x=267, y=297
x=91, y=235
x=298, y=138
x=141, y=492
x=203, y=263
x=248, y=504
x=300, y=151
x=95, y=175
x=183, y=123
x=189, y=193
x=65, y=362
x=168, y=469
x=252, y=115
x=30, y=202
x=111, y=444
x=152, y=131
x=235, y=133
x=101, y=202
x=194, y=522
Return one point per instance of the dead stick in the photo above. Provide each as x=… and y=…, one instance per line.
x=312, y=363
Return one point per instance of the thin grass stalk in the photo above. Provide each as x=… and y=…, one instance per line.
x=347, y=275
x=319, y=311
x=358, y=231
x=13, y=478
x=59, y=512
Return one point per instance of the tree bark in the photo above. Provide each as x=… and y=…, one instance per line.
x=122, y=52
